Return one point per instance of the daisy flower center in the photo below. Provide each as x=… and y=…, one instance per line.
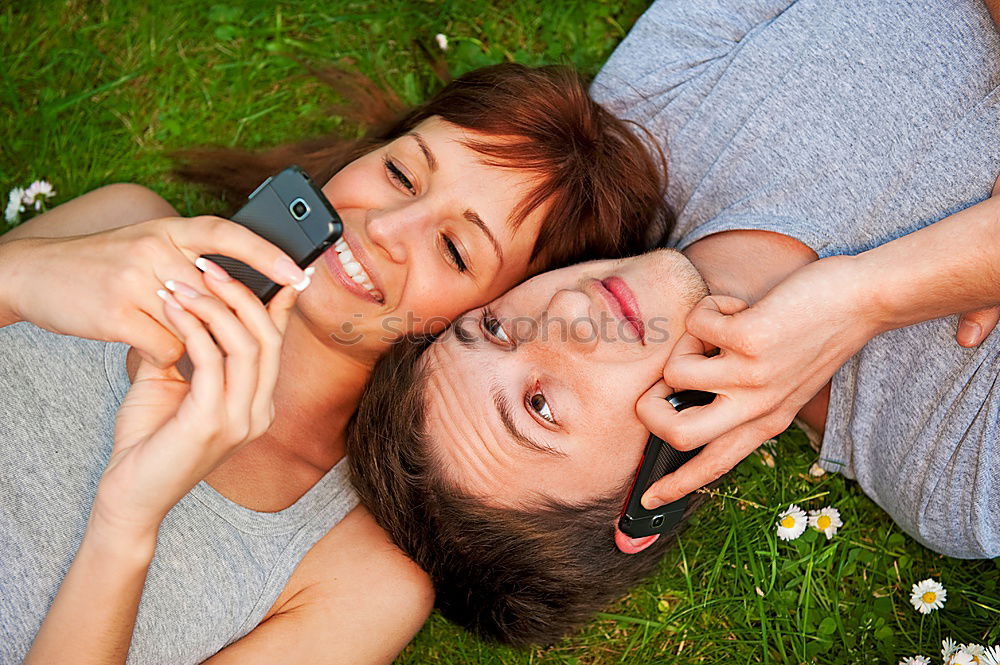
x=929, y=597
x=823, y=522
x=788, y=521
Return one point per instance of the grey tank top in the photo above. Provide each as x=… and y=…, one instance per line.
x=845, y=124
x=218, y=566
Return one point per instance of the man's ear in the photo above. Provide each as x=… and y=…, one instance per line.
x=633, y=545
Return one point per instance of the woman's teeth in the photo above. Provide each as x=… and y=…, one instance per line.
x=354, y=269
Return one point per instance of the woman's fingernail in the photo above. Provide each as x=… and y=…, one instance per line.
x=212, y=269
x=291, y=273
x=969, y=332
x=300, y=286
x=181, y=289
x=169, y=299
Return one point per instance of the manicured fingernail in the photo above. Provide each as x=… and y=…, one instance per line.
x=169, y=299
x=300, y=286
x=287, y=269
x=181, y=289
x=969, y=332
x=212, y=269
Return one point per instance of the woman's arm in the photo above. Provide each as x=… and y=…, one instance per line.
x=355, y=598
x=777, y=354
x=92, y=616
x=169, y=434
x=103, y=285
x=107, y=207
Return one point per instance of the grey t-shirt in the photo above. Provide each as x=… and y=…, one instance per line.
x=218, y=566
x=845, y=124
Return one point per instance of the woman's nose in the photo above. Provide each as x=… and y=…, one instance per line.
x=395, y=230
x=568, y=321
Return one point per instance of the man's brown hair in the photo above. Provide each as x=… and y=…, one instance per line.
x=603, y=188
x=518, y=576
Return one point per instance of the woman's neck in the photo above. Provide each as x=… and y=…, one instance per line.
x=316, y=394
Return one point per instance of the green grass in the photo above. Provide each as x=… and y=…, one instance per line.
x=95, y=92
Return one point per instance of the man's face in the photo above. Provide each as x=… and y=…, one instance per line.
x=534, y=395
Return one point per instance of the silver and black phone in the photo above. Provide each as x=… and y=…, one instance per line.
x=659, y=459
x=291, y=212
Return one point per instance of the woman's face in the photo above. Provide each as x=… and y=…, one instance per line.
x=534, y=395
x=426, y=236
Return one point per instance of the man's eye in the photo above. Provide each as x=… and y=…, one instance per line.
x=538, y=404
x=493, y=328
x=398, y=175
x=455, y=255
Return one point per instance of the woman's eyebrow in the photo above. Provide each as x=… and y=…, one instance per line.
x=432, y=163
x=469, y=214
x=481, y=225
x=502, y=404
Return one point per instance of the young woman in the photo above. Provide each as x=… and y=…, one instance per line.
x=175, y=521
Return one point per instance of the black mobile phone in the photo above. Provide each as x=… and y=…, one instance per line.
x=658, y=460
x=289, y=211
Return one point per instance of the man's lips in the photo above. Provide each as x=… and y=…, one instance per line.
x=628, y=305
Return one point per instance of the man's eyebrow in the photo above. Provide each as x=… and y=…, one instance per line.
x=464, y=337
x=507, y=418
x=481, y=225
x=428, y=155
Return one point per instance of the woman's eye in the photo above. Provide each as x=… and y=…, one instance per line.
x=539, y=405
x=398, y=175
x=492, y=326
x=454, y=255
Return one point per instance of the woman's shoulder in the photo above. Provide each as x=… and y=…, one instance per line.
x=354, y=598
x=357, y=564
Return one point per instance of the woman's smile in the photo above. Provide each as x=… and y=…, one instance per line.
x=351, y=267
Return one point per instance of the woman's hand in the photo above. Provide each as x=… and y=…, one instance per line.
x=171, y=433
x=103, y=285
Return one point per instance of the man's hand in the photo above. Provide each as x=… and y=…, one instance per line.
x=773, y=358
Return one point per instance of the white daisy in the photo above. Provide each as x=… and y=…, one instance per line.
x=442, y=41
x=928, y=595
x=38, y=193
x=977, y=652
x=791, y=523
x=948, y=648
x=992, y=656
x=15, y=204
x=826, y=521
x=962, y=657
x=916, y=660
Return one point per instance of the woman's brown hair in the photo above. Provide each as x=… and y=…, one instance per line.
x=603, y=189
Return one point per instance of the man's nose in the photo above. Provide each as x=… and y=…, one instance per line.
x=568, y=323
x=396, y=229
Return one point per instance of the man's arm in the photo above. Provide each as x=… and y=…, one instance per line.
x=994, y=7
x=779, y=353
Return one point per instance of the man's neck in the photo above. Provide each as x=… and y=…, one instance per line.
x=747, y=264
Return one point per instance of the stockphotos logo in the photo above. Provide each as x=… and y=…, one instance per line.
x=518, y=329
